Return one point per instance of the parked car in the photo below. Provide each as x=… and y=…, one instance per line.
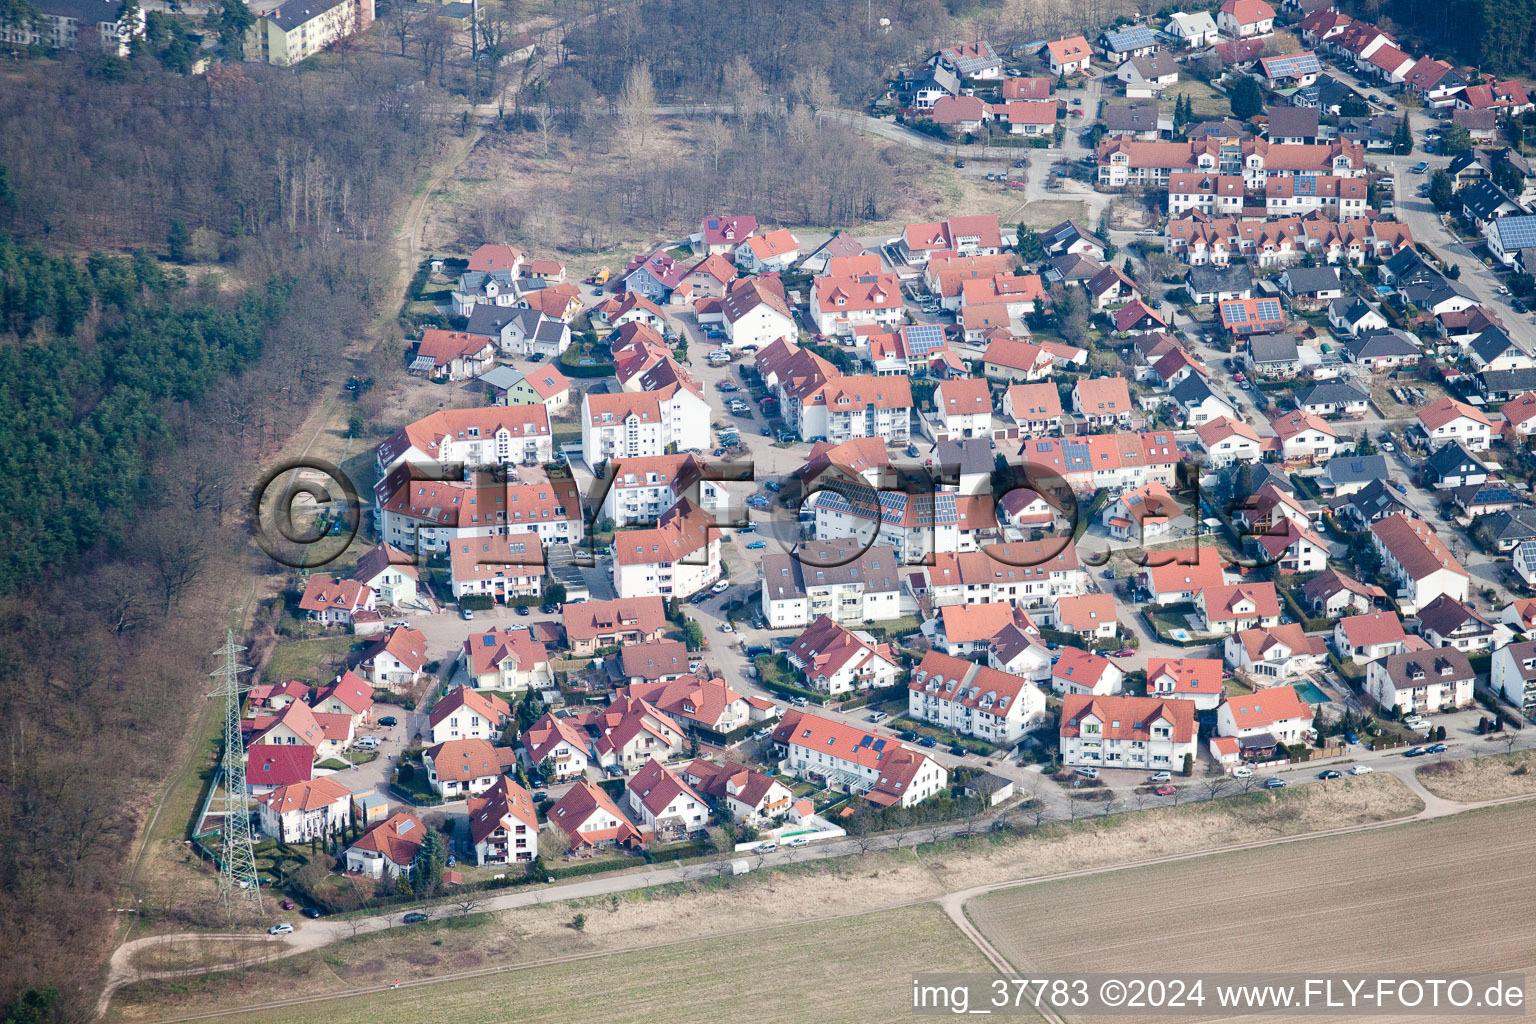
x=1088, y=773
x=1386, y=446
x=878, y=716
x=1274, y=783
x=311, y=912
x=615, y=771
x=282, y=928
x=1165, y=791
x=1436, y=748
x=797, y=841
x=757, y=544
x=726, y=627
x=1419, y=168
x=767, y=847
x=287, y=904
x=958, y=750
x=1330, y=773
x=959, y=163
x=1361, y=769
x=927, y=741
x=1242, y=771
x=414, y=917
x=800, y=702
x=466, y=614
x=389, y=721
x=1124, y=652
x=1415, y=752
x=367, y=743
x=1147, y=232
x=1161, y=777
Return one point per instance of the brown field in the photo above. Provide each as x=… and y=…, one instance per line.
x=1445, y=896
x=855, y=969
x=1481, y=778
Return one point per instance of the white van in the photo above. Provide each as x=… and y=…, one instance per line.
x=1242, y=772
x=367, y=743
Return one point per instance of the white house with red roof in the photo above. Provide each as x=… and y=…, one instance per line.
x=630, y=731
x=632, y=425
x=841, y=303
x=1365, y=638
x=751, y=797
x=661, y=801
x=468, y=714
x=1418, y=561
x=1083, y=672
x=963, y=405
x=1239, y=606
x=457, y=768
x=299, y=725
x=834, y=659
x=1244, y=19
x=640, y=490
x=1090, y=616
x=976, y=235
x=1305, y=437
x=490, y=436
x=678, y=557
x=1069, y=56
x=973, y=699
x=656, y=276
x=587, y=817
x=722, y=234
x=1172, y=575
x=333, y=602
x=968, y=628
x=318, y=808
x=269, y=766
x=756, y=313
x=1192, y=679
x=389, y=848
x=1226, y=440
x=1150, y=733
x=557, y=746
x=1276, y=713
x=1450, y=420
x=389, y=572
x=708, y=703
x=503, y=824
x=763, y=254
x=1291, y=547
x=879, y=768
x=395, y=658
x=502, y=567
x=452, y=355
x=507, y=660
x=347, y=695
x=1275, y=653
x=436, y=515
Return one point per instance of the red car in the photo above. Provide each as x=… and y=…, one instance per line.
x=1075, y=112
x=1124, y=652
x=1166, y=791
x=288, y=904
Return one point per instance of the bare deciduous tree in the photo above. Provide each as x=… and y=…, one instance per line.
x=637, y=105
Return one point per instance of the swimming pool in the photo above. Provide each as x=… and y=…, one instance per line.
x=1311, y=694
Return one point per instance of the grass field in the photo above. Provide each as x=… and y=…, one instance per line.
x=1482, y=778
x=856, y=969
x=1400, y=899
x=308, y=660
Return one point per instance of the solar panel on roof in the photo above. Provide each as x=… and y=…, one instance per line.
x=879, y=744
x=1516, y=232
x=923, y=338
x=1267, y=309
x=1234, y=313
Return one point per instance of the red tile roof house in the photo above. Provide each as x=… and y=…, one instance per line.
x=1261, y=719
x=1079, y=672
x=389, y=848
x=1275, y=652
x=977, y=700
x=508, y=660
x=298, y=725
x=396, y=658
x=334, y=602
x=722, y=234
x=750, y=796
x=467, y=714
x=1197, y=680
x=556, y=746
x=594, y=624
x=587, y=817
x=1155, y=733
x=708, y=703
x=453, y=355
x=877, y=767
x=504, y=825
x=834, y=659
x=458, y=768
x=776, y=250
x=390, y=572
x=348, y=695
x=1103, y=402
x=664, y=804
x=1364, y=638
x=305, y=810
x=1225, y=609
x=630, y=731
x=1418, y=561
x=269, y=766
x=1090, y=616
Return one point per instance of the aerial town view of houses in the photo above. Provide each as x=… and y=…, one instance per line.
x=1141, y=498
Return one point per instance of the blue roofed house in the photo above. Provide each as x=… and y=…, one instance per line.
x=1128, y=41
x=1508, y=235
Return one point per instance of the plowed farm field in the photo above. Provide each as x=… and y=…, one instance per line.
x=1451, y=895
x=856, y=970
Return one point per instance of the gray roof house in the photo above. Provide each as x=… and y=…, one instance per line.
x=1350, y=473
x=1273, y=355
x=1332, y=398
x=1451, y=466
x=1505, y=530
x=1370, y=503
x=1207, y=284
x=1353, y=315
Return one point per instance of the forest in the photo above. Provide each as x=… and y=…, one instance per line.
x=183, y=262
x=1495, y=36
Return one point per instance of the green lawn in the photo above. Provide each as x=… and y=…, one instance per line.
x=308, y=660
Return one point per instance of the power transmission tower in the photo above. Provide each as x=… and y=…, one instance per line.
x=237, y=868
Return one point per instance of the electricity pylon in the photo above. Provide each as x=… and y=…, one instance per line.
x=237, y=862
